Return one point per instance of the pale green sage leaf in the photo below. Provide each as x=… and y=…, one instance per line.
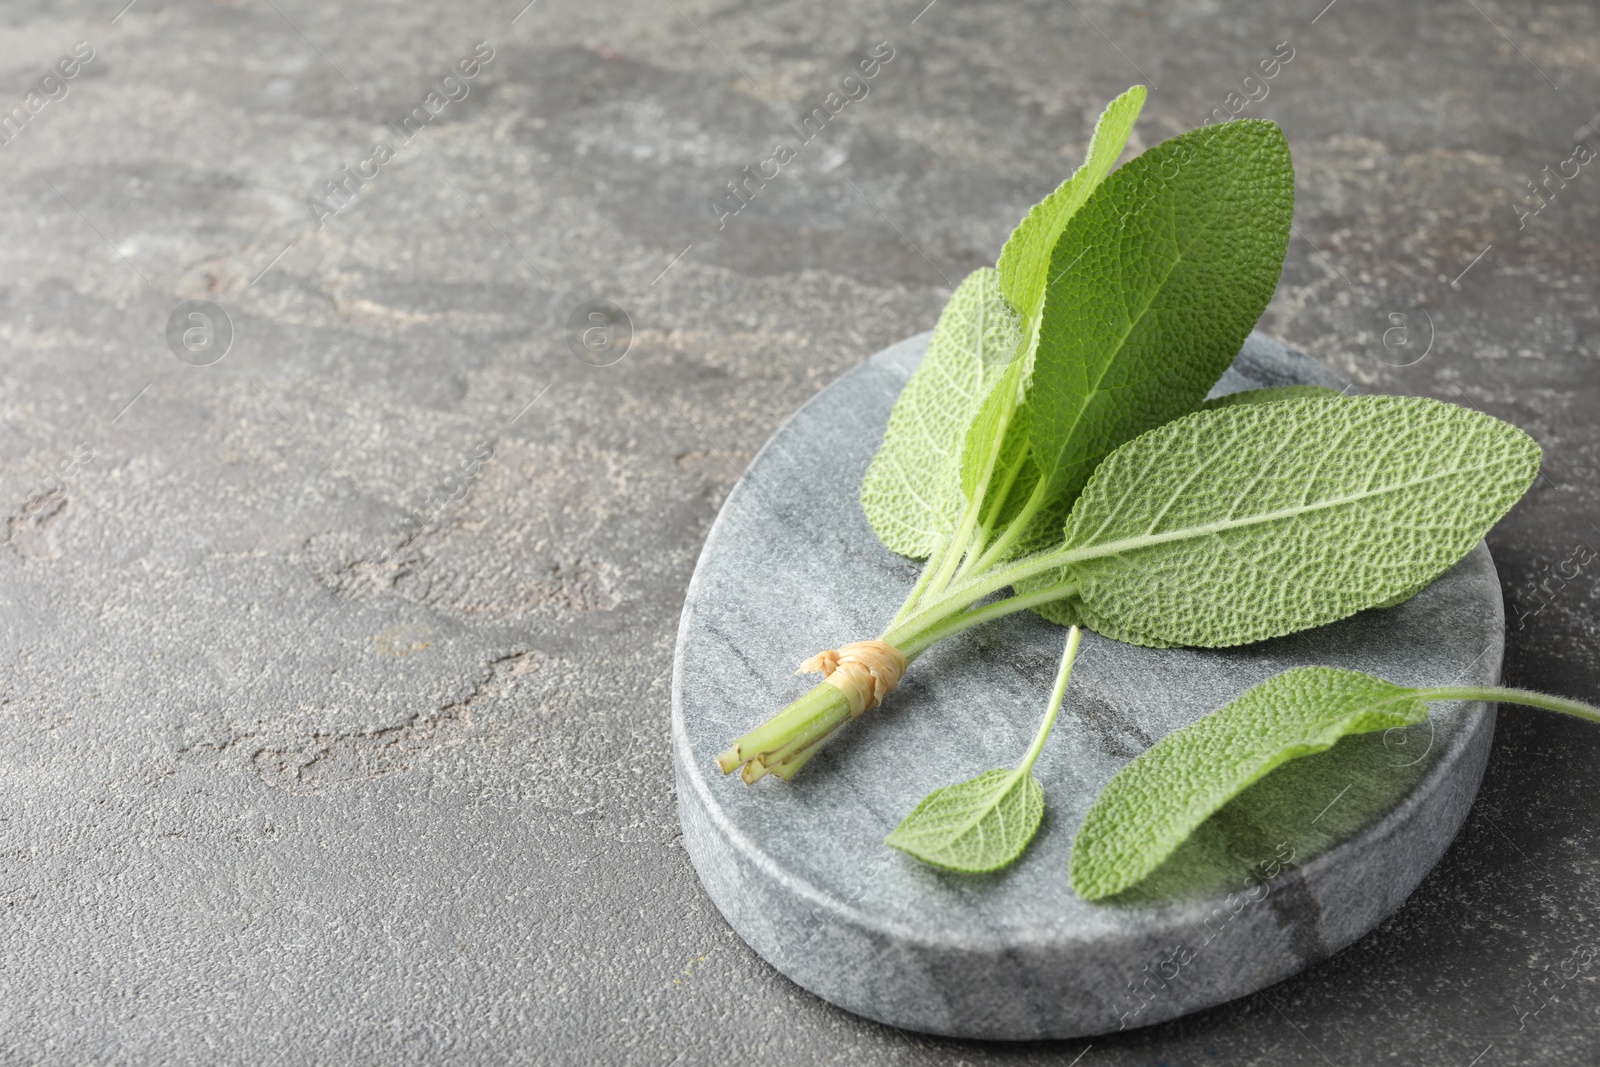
x=1269, y=395
x=1025, y=260
x=1257, y=520
x=974, y=826
x=984, y=824
x=912, y=490
x=1155, y=802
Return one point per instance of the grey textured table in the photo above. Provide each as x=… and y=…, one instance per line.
x=333, y=711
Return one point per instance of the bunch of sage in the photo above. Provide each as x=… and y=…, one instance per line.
x=1056, y=442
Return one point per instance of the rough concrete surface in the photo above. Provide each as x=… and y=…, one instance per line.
x=334, y=675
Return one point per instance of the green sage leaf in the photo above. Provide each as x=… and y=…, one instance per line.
x=983, y=824
x=1257, y=520
x=912, y=490
x=1065, y=612
x=995, y=452
x=1154, y=803
x=974, y=826
x=1154, y=285
x=1025, y=260
x=1269, y=395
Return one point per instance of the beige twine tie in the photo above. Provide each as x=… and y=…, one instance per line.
x=864, y=671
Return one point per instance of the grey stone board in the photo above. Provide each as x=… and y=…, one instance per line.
x=800, y=871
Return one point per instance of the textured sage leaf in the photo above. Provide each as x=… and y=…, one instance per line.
x=1062, y=612
x=1154, y=803
x=997, y=441
x=1269, y=395
x=1154, y=285
x=912, y=489
x=983, y=824
x=1065, y=612
x=995, y=450
x=1003, y=507
x=1025, y=260
x=974, y=826
x=1257, y=520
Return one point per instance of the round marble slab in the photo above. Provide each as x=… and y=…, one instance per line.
x=1302, y=864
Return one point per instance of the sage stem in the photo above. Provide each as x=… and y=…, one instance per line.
x=1500, y=695
x=1057, y=695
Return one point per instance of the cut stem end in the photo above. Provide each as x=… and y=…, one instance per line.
x=859, y=676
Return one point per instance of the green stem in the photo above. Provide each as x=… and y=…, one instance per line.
x=980, y=495
x=957, y=549
x=964, y=594
x=784, y=763
x=1500, y=695
x=928, y=569
x=1056, y=696
x=792, y=767
x=993, y=579
x=790, y=737
x=832, y=716
x=976, y=550
x=919, y=643
x=1015, y=528
x=823, y=702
